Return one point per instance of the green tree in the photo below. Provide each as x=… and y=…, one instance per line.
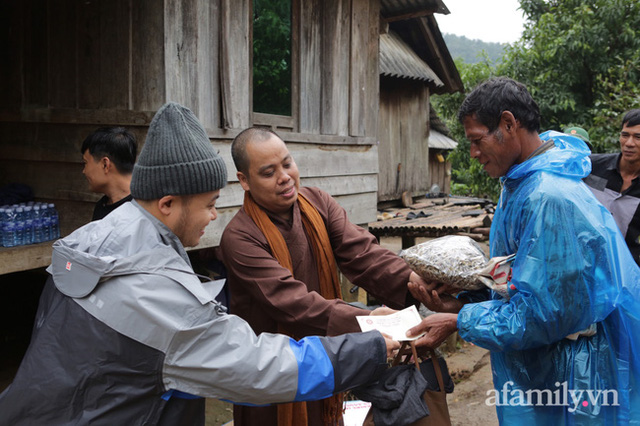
x=581, y=61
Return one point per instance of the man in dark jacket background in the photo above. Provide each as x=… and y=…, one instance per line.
x=108, y=155
x=614, y=181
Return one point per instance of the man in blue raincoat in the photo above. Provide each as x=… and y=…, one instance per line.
x=565, y=342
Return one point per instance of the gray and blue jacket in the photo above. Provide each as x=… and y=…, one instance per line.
x=126, y=333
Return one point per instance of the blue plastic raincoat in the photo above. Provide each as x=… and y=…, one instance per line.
x=572, y=270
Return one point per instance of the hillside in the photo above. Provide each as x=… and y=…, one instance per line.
x=469, y=50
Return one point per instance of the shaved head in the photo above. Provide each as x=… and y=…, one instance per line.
x=239, y=145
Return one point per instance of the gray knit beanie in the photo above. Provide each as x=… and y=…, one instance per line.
x=177, y=157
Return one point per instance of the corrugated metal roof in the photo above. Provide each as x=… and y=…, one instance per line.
x=394, y=8
x=440, y=141
x=397, y=59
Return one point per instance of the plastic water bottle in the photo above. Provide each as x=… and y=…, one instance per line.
x=37, y=224
x=55, y=221
x=27, y=236
x=8, y=234
x=9, y=228
x=3, y=220
x=46, y=222
x=19, y=227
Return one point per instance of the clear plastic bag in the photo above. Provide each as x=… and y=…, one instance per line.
x=454, y=260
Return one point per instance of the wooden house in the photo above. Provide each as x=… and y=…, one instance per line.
x=71, y=66
x=414, y=63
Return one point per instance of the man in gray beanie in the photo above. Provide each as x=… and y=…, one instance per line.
x=127, y=333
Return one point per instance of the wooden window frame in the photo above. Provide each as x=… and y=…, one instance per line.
x=274, y=121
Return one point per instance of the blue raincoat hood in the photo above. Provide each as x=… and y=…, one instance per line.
x=570, y=159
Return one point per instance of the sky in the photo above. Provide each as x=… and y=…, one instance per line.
x=487, y=20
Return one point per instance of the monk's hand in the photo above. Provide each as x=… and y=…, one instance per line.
x=433, y=301
x=417, y=281
x=437, y=328
x=392, y=345
x=383, y=310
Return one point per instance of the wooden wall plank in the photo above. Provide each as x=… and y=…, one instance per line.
x=25, y=257
x=415, y=152
x=89, y=53
x=78, y=116
x=115, y=53
x=335, y=67
x=62, y=53
x=389, y=157
x=180, y=44
x=447, y=178
x=104, y=54
x=372, y=75
x=359, y=61
x=35, y=54
x=361, y=208
x=235, y=69
x=207, y=65
x=36, y=45
x=147, y=66
x=310, y=66
x=402, y=131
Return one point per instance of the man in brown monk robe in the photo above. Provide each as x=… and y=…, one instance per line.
x=282, y=251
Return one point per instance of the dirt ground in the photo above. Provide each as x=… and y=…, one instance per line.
x=471, y=369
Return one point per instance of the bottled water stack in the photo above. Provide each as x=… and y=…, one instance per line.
x=28, y=223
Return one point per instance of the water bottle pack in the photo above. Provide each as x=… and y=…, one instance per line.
x=28, y=223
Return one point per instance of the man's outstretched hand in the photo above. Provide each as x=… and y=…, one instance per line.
x=437, y=328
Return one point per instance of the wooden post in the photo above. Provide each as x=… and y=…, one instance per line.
x=408, y=241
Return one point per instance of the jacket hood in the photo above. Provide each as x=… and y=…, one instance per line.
x=569, y=158
x=76, y=273
x=123, y=243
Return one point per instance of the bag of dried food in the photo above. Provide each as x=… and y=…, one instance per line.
x=454, y=260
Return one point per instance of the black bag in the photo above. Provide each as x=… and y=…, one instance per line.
x=436, y=400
